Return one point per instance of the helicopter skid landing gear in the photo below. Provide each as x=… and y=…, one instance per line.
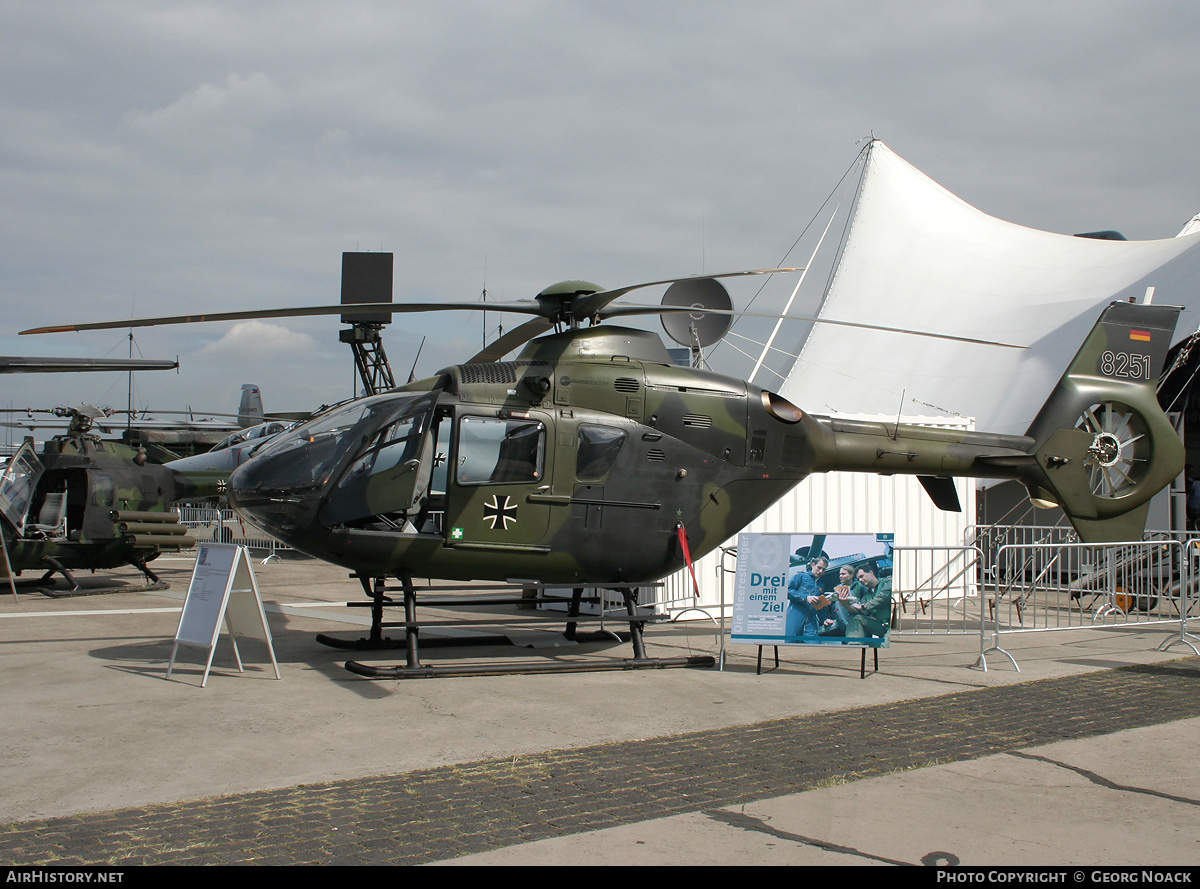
x=153, y=583
x=529, y=667
x=56, y=567
x=100, y=591
x=150, y=575
x=376, y=641
x=509, y=596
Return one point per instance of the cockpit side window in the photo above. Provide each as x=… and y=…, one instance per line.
x=102, y=490
x=394, y=445
x=496, y=451
x=598, y=450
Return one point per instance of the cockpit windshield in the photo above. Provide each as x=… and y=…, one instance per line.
x=392, y=446
x=262, y=430
x=312, y=455
x=17, y=483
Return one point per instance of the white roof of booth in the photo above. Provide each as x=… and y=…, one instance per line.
x=919, y=257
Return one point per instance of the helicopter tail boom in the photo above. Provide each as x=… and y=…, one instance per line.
x=1100, y=447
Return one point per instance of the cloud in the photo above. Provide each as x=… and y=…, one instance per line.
x=254, y=341
x=214, y=118
x=169, y=158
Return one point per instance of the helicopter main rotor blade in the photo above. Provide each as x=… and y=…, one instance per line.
x=528, y=307
x=21, y=364
x=580, y=309
x=593, y=303
x=518, y=336
x=618, y=311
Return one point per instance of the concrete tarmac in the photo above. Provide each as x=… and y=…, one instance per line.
x=1120, y=799
x=1086, y=756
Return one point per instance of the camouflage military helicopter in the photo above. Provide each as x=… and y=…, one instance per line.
x=86, y=503
x=593, y=459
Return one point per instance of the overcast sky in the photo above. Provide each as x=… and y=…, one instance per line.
x=158, y=157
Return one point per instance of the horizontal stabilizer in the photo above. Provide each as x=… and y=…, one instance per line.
x=942, y=492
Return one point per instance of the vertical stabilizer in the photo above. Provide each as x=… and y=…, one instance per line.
x=1104, y=447
x=250, y=410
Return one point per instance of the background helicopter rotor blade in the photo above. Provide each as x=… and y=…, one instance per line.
x=196, y=415
x=140, y=419
x=20, y=364
x=618, y=311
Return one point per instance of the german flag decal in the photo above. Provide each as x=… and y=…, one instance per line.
x=1142, y=336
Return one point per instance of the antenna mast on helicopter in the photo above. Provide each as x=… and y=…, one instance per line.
x=500, y=328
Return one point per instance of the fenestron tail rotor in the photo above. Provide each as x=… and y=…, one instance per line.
x=1119, y=454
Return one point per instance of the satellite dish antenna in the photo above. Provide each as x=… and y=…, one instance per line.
x=697, y=329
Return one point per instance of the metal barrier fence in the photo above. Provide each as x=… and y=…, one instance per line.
x=1029, y=580
x=998, y=535
x=225, y=526
x=936, y=590
x=1188, y=595
x=1040, y=587
x=1004, y=579
x=989, y=538
x=726, y=570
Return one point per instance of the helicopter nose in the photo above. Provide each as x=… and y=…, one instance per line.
x=275, y=509
x=283, y=486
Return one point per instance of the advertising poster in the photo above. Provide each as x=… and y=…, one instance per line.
x=813, y=589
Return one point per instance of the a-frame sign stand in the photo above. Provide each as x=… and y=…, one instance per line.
x=222, y=587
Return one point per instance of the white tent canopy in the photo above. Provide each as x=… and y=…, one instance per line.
x=918, y=257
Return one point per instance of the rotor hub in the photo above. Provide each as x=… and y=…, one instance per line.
x=557, y=299
x=1105, y=448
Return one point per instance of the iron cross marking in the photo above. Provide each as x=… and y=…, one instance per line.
x=504, y=512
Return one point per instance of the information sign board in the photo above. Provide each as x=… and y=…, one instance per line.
x=813, y=589
x=223, y=587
